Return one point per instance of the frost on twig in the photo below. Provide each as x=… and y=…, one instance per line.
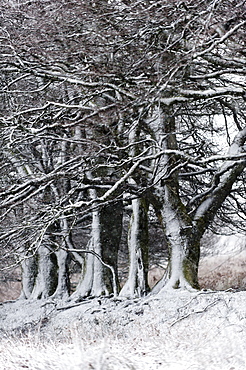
x=195, y=312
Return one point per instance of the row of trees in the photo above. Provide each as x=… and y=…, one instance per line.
x=115, y=112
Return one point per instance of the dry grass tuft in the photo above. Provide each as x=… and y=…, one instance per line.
x=223, y=272
x=9, y=290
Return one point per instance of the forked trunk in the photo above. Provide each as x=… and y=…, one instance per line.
x=184, y=230
x=184, y=250
x=183, y=244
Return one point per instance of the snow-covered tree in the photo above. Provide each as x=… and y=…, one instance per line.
x=113, y=103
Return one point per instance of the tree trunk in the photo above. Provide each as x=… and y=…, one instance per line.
x=63, y=282
x=184, y=231
x=184, y=249
x=106, y=230
x=63, y=259
x=29, y=273
x=137, y=282
x=46, y=280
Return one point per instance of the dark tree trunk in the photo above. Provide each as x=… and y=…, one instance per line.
x=47, y=276
x=29, y=268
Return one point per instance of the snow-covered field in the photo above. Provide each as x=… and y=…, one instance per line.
x=177, y=330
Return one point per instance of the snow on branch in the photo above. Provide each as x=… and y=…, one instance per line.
x=220, y=41
x=187, y=95
x=77, y=81
x=23, y=190
x=218, y=73
x=224, y=179
x=115, y=290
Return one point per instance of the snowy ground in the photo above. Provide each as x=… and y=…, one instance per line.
x=178, y=330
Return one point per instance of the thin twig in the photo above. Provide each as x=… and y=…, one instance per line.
x=195, y=312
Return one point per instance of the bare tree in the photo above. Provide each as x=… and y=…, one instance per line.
x=75, y=89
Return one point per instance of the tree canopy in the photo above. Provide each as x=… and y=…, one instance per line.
x=115, y=108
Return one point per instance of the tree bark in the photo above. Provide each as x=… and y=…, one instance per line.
x=184, y=250
x=184, y=247
x=106, y=230
x=46, y=280
x=183, y=230
x=29, y=273
x=63, y=282
x=138, y=245
x=63, y=259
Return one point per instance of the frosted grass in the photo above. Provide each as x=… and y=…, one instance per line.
x=175, y=331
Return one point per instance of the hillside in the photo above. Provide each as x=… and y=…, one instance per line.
x=177, y=330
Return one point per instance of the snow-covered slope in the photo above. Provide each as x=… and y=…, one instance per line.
x=178, y=330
